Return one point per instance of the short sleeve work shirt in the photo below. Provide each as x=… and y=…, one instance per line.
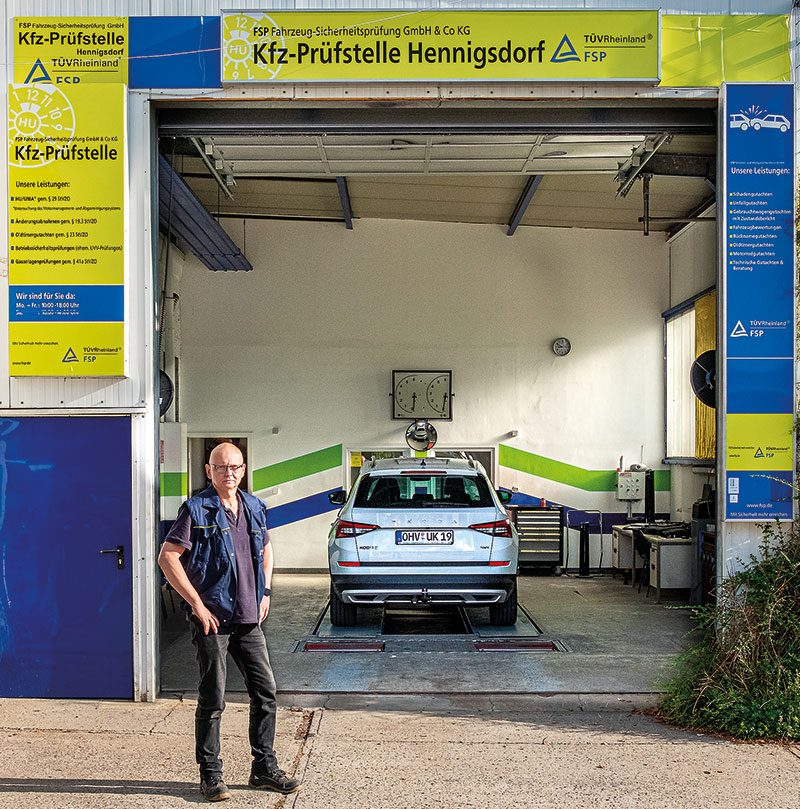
x=246, y=611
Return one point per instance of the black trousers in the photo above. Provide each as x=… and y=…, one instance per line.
x=246, y=645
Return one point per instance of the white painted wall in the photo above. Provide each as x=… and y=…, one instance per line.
x=692, y=269
x=308, y=340
x=693, y=260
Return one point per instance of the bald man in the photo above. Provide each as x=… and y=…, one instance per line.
x=218, y=556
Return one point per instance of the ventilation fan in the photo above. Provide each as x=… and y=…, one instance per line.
x=166, y=391
x=703, y=377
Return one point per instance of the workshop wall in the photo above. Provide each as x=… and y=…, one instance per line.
x=693, y=269
x=307, y=341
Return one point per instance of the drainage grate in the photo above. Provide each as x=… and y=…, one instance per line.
x=430, y=644
x=516, y=645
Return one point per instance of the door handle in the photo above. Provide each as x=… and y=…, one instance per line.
x=120, y=551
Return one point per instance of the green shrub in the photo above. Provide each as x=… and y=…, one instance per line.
x=743, y=676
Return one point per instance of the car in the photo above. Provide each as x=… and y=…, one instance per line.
x=771, y=122
x=423, y=532
x=739, y=121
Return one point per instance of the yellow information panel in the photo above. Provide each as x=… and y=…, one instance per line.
x=704, y=51
x=66, y=349
x=67, y=187
x=70, y=50
x=761, y=442
x=440, y=45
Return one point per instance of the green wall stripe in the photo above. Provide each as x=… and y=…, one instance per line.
x=663, y=480
x=559, y=472
x=174, y=484
x=299, y=467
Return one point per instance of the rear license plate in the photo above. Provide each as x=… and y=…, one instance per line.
x=424, y=537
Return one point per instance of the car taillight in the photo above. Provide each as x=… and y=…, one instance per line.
x=352, y=529
x=502, y=528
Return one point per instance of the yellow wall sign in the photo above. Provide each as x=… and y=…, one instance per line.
x=761, y=442
x=67, y=185
x=70, y=50
x=440, y=45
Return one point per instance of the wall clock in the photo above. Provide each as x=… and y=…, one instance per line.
x=561, y=346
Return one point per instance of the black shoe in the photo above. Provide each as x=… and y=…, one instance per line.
x=275, y=780
x=214, y=789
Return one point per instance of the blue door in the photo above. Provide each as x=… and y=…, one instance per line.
x=65, y=557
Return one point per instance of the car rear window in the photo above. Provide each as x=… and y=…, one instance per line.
x=423, y=491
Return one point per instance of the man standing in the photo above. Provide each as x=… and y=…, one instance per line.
x=218, y=557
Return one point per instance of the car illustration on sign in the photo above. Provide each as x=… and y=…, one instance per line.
x=771, y=122
x=741, y=121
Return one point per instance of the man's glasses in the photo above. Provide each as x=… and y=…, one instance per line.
x=224, y=467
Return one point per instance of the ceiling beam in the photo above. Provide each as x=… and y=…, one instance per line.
x=523, y=202
x=205, y=156
x=236, y=119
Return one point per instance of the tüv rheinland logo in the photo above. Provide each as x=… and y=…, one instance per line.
x=565, y=52
x=38, y=73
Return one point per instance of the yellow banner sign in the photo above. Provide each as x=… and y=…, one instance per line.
x=760, y=442
x=67, y=187
x=440, y=45
x=70, y=50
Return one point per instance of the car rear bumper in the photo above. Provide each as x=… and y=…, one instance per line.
x=423, y=590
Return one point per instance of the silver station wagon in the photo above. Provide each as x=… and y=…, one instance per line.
x=423, y=532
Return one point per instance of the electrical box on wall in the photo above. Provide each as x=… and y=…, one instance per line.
x=630, y=485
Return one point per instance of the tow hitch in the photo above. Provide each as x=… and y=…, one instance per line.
x=422, y=598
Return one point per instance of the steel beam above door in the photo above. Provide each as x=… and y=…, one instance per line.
x=235, y=118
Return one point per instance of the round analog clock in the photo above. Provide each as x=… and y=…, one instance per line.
x=561, y=346
x=421, y=394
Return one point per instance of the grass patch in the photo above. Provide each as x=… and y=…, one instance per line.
x=743, y=677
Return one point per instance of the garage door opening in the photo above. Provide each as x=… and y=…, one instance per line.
x=469, y=244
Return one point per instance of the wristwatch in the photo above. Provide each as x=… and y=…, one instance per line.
x=267, y=591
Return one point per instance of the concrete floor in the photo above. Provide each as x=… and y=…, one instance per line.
x=613, y=641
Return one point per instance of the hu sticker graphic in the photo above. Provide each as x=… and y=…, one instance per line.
x=565, y=52
x=70, y=356
x=739, y=330
x=39, y=116
x=42, y=76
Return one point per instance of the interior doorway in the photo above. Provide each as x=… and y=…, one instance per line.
x=485, y=456
x=200, y=447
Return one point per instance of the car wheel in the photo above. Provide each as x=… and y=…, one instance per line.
x=784, y=128
x=756, y=127
x=504, y=614
x=342, y=614
x=744, y=127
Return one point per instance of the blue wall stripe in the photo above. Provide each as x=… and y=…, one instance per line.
x=577, y=516
x=301, y=509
